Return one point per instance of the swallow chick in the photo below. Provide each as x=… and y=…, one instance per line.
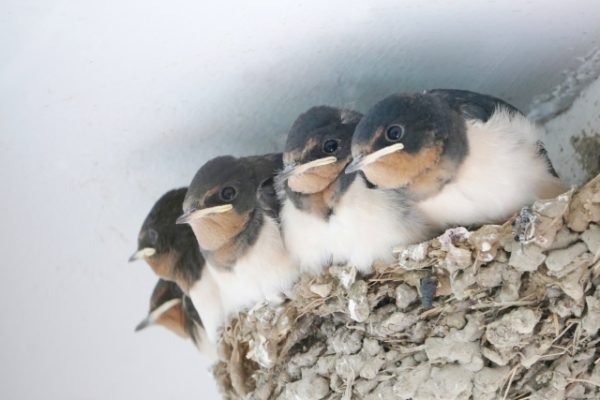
x=233, y=210
x=172, y=309
x=172, y=253
x=328, y=216
x=464, y=158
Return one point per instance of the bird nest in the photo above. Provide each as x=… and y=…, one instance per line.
x=502, y=312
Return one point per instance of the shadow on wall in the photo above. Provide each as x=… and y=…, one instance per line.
x=573, y=137
x=256, y=106
x=569, y=116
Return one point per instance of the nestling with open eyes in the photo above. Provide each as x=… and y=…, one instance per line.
x=331, y=217
x=465, y=158
x=171, y=308
x=172, y=252
x=233, y=210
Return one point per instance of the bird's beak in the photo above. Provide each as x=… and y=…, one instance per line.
x=144, y=324
x=203, y=212
x=362, y=160
x=302, y=168
x=145, y=252
x=156, y=314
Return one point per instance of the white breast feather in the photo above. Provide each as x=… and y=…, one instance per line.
x=308, y=238
x=204, y=344
x=370, y=223
x=207, y=301
x=502, y=173
x=364, y=227
x=261, y=274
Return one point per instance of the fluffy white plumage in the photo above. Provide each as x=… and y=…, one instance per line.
x=263, y=272
x=364, y=227
x=205, y=345
x=502, y=172
x=206, y=298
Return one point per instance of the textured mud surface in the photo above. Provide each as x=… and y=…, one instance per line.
x=502, y=312
x=588, y=151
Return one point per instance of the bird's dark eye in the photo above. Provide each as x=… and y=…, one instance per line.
x=330, y=146
x=228, y=193
x=394, y=133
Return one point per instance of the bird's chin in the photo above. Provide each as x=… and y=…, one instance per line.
x=401, y=169
x=214, y=231
x=162, y=264
x=384, y=174
x=174, y=320
x=307, y=183
x=315, y=180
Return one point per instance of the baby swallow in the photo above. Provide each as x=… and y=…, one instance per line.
x=465, y=158
x=233, y=210
x=162, y=243
x=171, y=308
x=172, y=252
x=328, y=216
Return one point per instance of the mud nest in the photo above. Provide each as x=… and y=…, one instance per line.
x=502, y=312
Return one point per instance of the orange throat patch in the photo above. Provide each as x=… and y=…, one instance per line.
x=401, y=168
x=174, y=320
x=163, y=264
x=216, y=230
x=317, y=179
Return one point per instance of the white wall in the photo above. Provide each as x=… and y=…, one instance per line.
x=104, y=105
x=573, y=137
